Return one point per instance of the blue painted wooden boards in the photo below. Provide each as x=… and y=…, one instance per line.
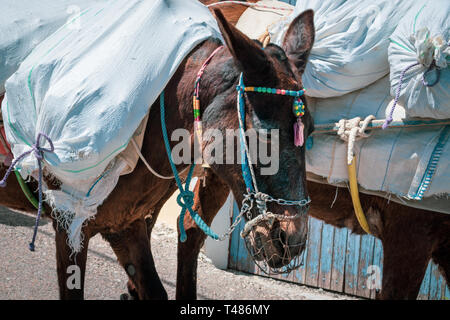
x=339, y=261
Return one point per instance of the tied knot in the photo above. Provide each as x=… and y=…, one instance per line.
x=38, y=150
x=353, y=130
x=186, y=199
x=261, y=201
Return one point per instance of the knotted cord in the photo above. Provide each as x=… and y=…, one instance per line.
x=38, y=153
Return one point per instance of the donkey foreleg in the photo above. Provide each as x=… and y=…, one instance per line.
x=208, y=200
x=71, y=268
x=132, y=249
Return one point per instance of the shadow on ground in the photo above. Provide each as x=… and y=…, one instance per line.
x=18, y=219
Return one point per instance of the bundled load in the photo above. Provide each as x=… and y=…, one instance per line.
x=24, y=24
x=376, y=60
x=89, y=89
x=351, y=43
x=393, y=161
x=420, y=50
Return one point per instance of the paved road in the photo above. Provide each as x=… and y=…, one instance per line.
x=30, y=276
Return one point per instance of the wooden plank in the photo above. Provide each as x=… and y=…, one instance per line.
x=244, y=261
x=365, y=260
x=234, y=242
x=447, y=293
x=437, y=284
x=299, y=275
x=313, y=257
x=351, y=263
x=338, y=264
x=326, y=256
x=377, y=263
x=425, y=287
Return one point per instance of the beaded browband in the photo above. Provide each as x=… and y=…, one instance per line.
x=299, y=106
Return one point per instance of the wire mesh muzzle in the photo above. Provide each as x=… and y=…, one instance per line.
x=269, y=245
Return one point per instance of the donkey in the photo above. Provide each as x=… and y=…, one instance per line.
x=410, y=237
x=126, y=218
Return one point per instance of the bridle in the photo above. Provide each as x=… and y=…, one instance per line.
x=185, y=199
x=253, y=193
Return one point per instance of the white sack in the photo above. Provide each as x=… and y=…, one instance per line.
x=25, y=23
x=88, y=89
x=254, y=22
x=392, y=160
x=351, y=43
x=421, y=37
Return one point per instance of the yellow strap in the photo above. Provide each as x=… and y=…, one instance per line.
x=355, y=196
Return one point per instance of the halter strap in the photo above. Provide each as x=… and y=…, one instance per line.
x=196, y=102
x=247, y=170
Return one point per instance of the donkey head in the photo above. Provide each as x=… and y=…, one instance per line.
x=269, y=124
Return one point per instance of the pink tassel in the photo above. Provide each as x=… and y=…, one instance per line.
x=298, y=133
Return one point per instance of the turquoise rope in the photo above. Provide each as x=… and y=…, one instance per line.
x=186, y=197
x=246, y=174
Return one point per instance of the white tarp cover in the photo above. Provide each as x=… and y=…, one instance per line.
x=423, y=36
x=25, y=23
x=88, y=89
x=351, y=43
x=392, y=160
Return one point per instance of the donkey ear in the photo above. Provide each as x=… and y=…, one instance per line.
x=250, y=58
x=299, y=39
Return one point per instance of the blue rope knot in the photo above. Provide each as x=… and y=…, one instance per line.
x=186, y=199
x=38, y=152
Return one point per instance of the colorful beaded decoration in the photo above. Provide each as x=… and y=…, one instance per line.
x=198, y=128
x=298, y=108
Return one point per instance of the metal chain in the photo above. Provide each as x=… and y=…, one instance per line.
x=284, y=202
x=247, y=206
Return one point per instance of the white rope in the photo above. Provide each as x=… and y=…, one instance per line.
x=353, y=130
x=138, y=151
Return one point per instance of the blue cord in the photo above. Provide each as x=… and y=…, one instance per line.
x=244, y=160
x=186, y=197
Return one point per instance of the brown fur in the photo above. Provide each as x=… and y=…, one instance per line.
x=140, y=195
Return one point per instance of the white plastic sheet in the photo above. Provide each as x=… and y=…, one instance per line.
x=351, y=43
x=423, y=36
x=89, y=88
x=392, y=160
x=25, y=23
